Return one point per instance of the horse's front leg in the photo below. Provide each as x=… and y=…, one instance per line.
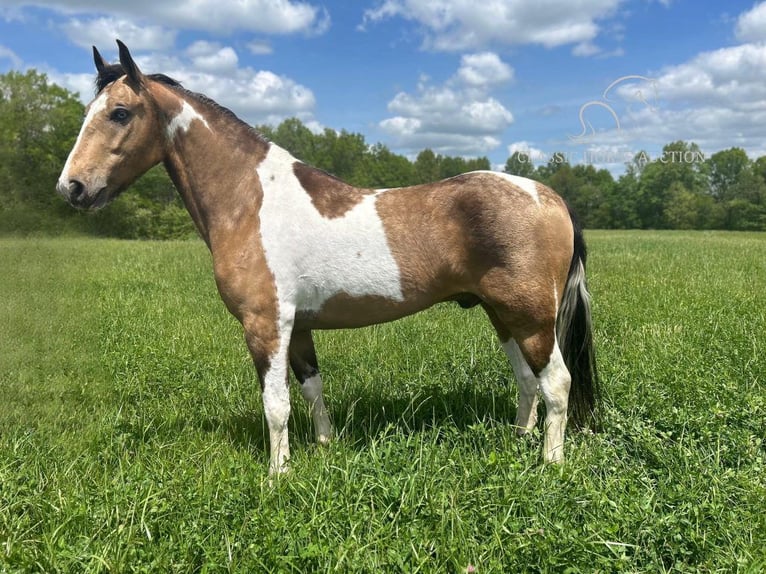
x=269, y=342
x=303, y=361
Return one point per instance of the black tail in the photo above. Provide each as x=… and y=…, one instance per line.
x=575, y=336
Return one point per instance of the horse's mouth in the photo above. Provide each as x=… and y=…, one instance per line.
x=101, y=198
x=91, y=202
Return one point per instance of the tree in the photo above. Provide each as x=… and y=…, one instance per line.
x=520, y=163
x=38, y=126
x=450, y=166
x=558, y=160
x=759, y=167
x=742, y=215
x=296, y=138
x=619, y=208
x=687, y=210
x=340, y=154
x=680, y=163
x=427, y=166
x=725, y=168
x=749, y=185
x=593, y=187
x=382, y=168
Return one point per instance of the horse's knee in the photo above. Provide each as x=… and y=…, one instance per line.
x=263, y=342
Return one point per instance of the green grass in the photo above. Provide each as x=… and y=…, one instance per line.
x=132, y=436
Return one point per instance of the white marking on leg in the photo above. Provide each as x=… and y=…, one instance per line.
x=554, y=384
x=95, y=107
x=182, y=120
x=526, y=413
x=314, y=258
x=276, y=402
x=311, y=389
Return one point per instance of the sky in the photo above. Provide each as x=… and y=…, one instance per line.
x=599, y=80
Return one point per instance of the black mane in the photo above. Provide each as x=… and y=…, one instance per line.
x=113, y=72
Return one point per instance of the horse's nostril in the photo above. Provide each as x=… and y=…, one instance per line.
x=76, y=189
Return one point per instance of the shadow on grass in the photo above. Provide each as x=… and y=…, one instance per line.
x=358, y=420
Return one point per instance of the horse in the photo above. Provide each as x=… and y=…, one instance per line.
x=295, y=249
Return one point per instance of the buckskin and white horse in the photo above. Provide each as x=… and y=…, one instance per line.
x=295, y=249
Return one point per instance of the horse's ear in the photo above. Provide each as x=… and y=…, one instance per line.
x=101, y=64
x=130, y=67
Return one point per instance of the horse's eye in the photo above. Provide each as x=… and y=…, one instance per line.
x=120, y=115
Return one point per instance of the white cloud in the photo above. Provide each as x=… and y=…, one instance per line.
x=262, y=16
x=314, y=127
x=256, y=96
x=260, y=48
x=8, y=54
x=532, y=154
x=454, y=25
x=103, y=31
x=458, y=117
x=265, y=16
x=81, y=84
x=484, y=69
x=212, y=57
x=586, y=49
x=731, y=76
x=751, y=25
x=716, y=99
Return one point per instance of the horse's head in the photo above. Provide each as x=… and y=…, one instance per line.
x=120, y=139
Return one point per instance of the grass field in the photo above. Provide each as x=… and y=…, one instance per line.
x=132, y=437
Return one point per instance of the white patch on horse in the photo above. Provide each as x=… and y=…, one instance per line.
x=96, y=106
x=555, y=382
x=276, y=396
x=525, y=184
x=314, y=258
x=526, y=413
x=183, y=120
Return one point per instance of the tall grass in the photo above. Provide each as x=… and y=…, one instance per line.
x=132, y=437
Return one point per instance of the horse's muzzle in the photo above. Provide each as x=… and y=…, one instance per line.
x=76, y=194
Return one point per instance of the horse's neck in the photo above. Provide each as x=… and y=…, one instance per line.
x=212, y=164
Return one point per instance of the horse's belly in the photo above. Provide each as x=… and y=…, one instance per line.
x=344, y=311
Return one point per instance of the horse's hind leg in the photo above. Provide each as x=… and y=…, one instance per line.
x=303, y=361
x=526, y=413
x=554, y=384
x=537, y=363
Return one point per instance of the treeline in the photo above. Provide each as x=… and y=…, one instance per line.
x=681, y=189
x=347, y=156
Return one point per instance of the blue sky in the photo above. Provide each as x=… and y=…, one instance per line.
x=597, y=79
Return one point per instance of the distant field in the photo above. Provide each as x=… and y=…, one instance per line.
x=132, y=436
